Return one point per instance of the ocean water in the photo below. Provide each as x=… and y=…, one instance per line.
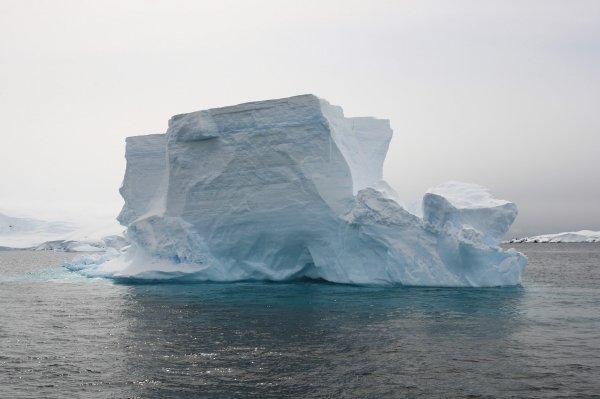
x=66, y=336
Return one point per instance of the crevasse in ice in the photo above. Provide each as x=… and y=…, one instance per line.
x=291, y=188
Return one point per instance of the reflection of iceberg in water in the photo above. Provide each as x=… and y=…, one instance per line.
x=296, y=340
x=291, y=188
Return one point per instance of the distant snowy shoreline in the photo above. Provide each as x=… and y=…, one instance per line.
x=24, y=234
x=567, y=237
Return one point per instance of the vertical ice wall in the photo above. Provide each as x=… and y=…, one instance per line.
x=144, y=175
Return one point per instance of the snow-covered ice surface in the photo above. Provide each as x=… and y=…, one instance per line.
x=573, y=236
x=291, y=188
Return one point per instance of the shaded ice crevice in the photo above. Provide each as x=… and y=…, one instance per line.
x=290, y=188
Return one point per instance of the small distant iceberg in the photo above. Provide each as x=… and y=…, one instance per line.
x=573, y=236
x=291, y=189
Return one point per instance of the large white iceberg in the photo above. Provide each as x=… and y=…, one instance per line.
x=291, y=188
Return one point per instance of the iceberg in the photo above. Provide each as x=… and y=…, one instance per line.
x=291, y=189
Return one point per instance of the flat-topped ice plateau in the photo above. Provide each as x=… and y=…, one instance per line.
x=291, y=188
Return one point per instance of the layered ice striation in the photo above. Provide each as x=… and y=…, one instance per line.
x=291, y=188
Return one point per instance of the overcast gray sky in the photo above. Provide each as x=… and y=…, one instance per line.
x=501, y=93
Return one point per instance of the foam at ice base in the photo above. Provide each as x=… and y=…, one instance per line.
x=291, y=188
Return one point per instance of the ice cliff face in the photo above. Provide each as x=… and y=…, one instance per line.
x=290, y=188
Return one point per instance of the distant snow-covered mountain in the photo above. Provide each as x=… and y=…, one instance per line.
x=25, y=232
x=575, y=236
x=28, y=233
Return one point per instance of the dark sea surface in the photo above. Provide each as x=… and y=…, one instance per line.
x=66, y=336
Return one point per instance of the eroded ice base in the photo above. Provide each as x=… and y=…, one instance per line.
x=376, y=243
